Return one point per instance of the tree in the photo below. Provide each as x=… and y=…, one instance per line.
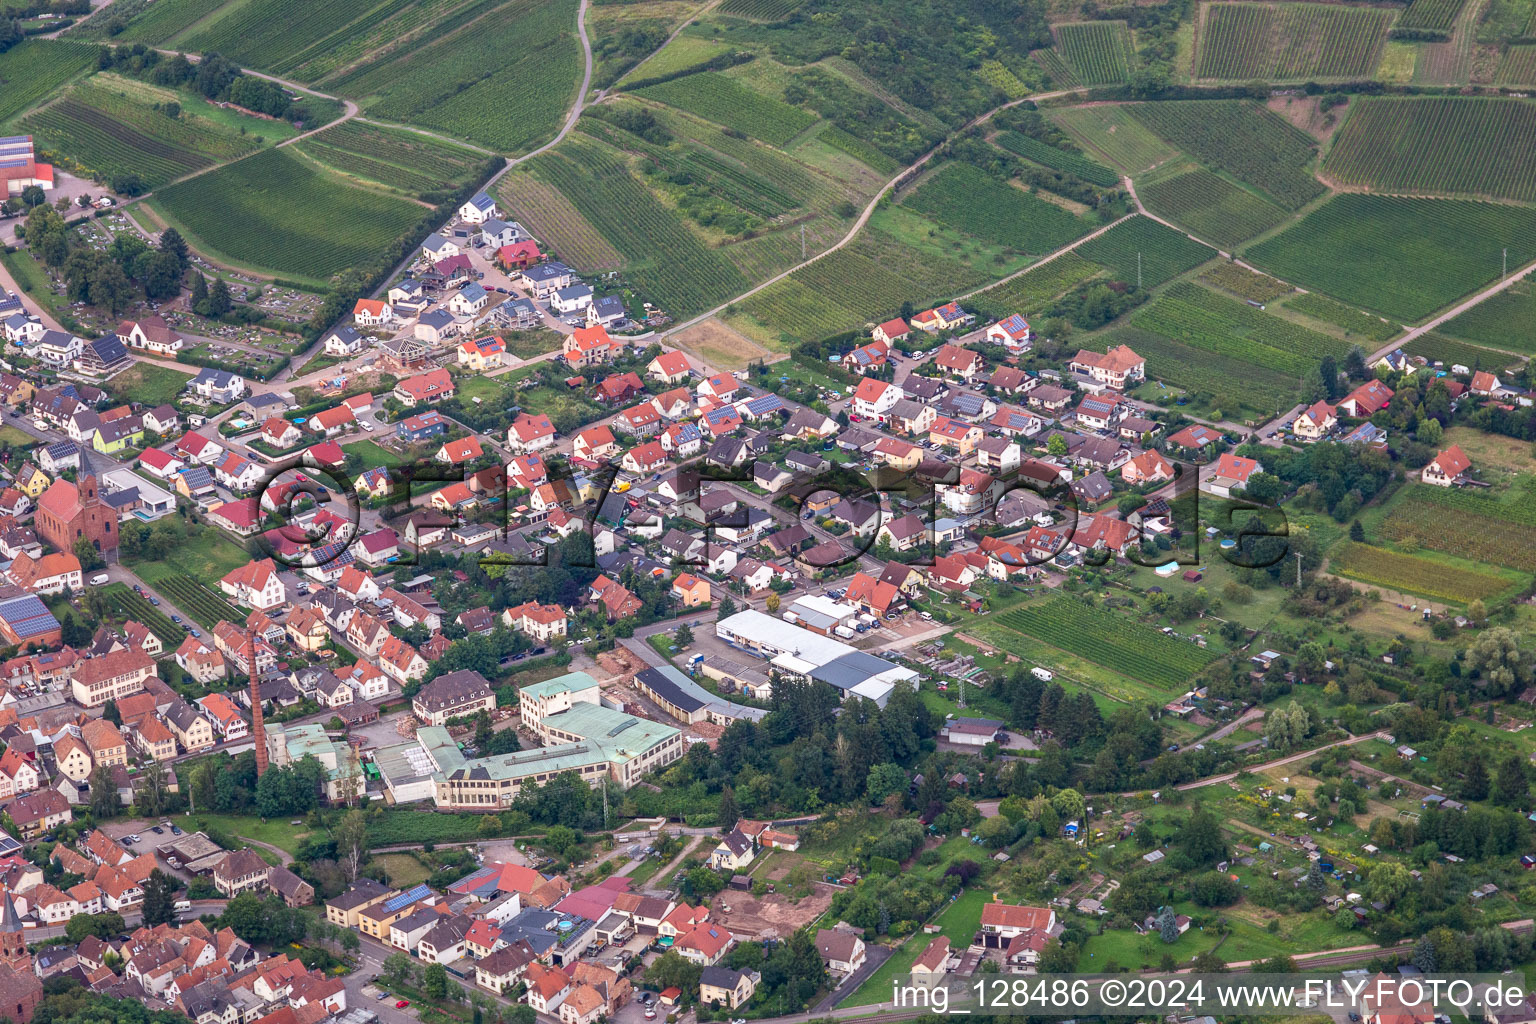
x=1429, y=432
x=727, y=607
x=219, y=299
x=103, y=926
x=104, y=799
x=1328, y=374
x=1510, y=786
x=683, y=637
x=1356, y=531
x=173, y=244
x=772, y=602
x=1497, y=657
x=729, y=812
x=1389, y=881
x=351, y=842
x=884, y=780
x=159, y=898
x=399, y=968
x=1056, y=446
x=199, y=298
x=704, y=882
x=154, y=796
x=1201, y=838
x=1167, y=925
x=109, y=710
x=434, y=981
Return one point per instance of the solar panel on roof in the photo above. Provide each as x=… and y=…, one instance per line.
x=408, y=897
x=28, y=616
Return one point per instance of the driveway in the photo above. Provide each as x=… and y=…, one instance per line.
x=874, y=956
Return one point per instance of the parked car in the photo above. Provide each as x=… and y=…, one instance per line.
x=402, y=1004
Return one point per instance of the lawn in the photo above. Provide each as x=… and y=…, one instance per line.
x=281, y=834
x=959, y=922
x=16, y=438
x=403, y=870
x=208, y=557
x=148, y=384
x=373, y=455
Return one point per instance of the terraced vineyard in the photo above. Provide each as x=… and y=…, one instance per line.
x=1499, y=531
x=1368, y=250
x=1028, y=292
x=1112, y=133
x=1320, y=307
x=968, y=198
x=1058, y=159
x=1518, y=66
x=1164, y=253
x=1247, y=141
x=1506, y=321
x=402, y=160
x=1211, y=206
x=1111, y=640
x=665, y=261
x=1201, y=318
x=33, y=68
x=276, y=211
x=1231, y=382
x=1244, y=283
x=1062, y=76
x=1291, y=41
x=1414, y=574
x=723, y=100
x=1435, y=15
x=1099, y=52
x=1464, y=145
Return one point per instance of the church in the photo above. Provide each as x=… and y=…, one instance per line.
x=67, y=513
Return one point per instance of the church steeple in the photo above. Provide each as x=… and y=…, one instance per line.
x=13, y=939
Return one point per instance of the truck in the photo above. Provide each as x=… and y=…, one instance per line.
x=844, y=632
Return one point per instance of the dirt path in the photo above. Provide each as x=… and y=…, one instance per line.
x=349, y=112
x=1043, y=261
x=283, y=855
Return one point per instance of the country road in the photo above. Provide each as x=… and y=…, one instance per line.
x=1300, y=755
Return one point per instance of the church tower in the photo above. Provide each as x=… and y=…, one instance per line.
x=13, y=939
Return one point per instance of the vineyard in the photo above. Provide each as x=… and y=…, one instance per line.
x=1111, y=132
x=558, y=224
x=1434, y=15
x=1211, y=206
x=399, y=159
x=1062, y=76
x=1099, y=52
x=1384, y=568
x=1110, y=640
x=196, y=600
x=725, y=101
x=1244, y=283
x=1437, y=347
x=1164, y=253
x=857, y=148
x=459, y=77
x=34, y=68
x=1028, y=292
x=1291, y=41
x=1230, y=382
x=1320, y=307
x=1505, y=321
x=758, y=10
x=968, y=198
x=1201, y=318
x=130, y=605
x=1444, y=145
x=274, y=210
x=665, y=261
x=1058, y=159
x=271, y=33
x=1244, y=139
x=109, y=133
x=1518, y=66
x=1370, y=250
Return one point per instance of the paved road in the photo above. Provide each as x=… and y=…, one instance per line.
x=132, y=919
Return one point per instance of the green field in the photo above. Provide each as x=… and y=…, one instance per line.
x=727, y=102
x=1244, y=283
x=33, y=68
x=1353, y=321
x=1446, y=145
x=1058, y=159
x=1099, y=52
x=680, y=55
x=758, y=10
x=1211, y=206
x=110, y=132
x=1291, y=41
x=1437, y=15
x=1111, y=640
x=1163, y=253
x=130, y=605
x=1232, y=382
x=1249, y=142
x=1434, y=346
x=148, y=384
x=1029, y=292
x=1518, y=66
x=1203, y=319
x=1506, y=321
x=968, y=198
x=1412, y=573
x=1488, y=530
x=1369, y=250
x=1112, y=133
x=394, y=157
x=458, y=78
x=273, y=210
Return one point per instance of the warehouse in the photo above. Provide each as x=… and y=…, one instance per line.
x=800, y=652
x=687, y=701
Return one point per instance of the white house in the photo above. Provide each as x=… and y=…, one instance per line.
x=1448, y=469
x=343, y=341
x=572, y=299
x=478, y=209
x=469, y=300
x=23, y=330
x=874, y=398
x=372, y=313
x=1012, y=333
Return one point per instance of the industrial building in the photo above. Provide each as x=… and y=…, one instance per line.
x=800, y=652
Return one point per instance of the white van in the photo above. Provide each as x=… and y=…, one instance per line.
x=182, y=905
x=99, y=579
x=1042, y=674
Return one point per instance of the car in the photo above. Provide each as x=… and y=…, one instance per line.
x=154, y=600
x=1354, y=1016
x=368, y=426
x=157, y=830
x=650, y=1014
x=401, y=1004
x=195, y=634
x=647, y=997
x=382, y=996
x=176, y=619
x=135, y=837
x=175, y=830
x=927, y=616
x=138, y=589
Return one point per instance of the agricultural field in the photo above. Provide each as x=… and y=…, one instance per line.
x=33, y=68
x=727, y=102
x=1435, y=15
x=402, y=160
x=1383, y=568
x=1231, y=383
x=1518, y=67
x=1249, y=142
x=130, y=605
x=1493, y=530
x=148, y=383
x=1444, y=145
x=1369, y=250
x=192, y=597
x=1111, y=132
x=758, y=10
x=557, y=223
x=1111, y=640
x=1353, y=321
x=1291, y=41
x=970, y=199
x=1099, y=52
x=666, y=262
x=456, y=78
x=1163, y=253
x=275, y=211
x=1061, y=76
x=1030, y=291
x=1437, y=347
x=1057, y=159
x=1244, y=283
x=110, y=132
x=1506, y=321
x=1211, y=206
x=681, y=54
x=1201, y=318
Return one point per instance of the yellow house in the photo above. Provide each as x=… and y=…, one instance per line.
x=734, y=852
x=32, y=481
x=691, y=590
x=72, y=758
x=118, y=436
x=725, y=987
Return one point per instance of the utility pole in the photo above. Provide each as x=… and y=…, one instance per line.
x=962, y=693
x=1138, y=270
